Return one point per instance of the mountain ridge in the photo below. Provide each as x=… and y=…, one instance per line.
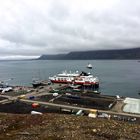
x=95, y=54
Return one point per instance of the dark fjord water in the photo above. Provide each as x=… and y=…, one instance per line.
x=117, y=77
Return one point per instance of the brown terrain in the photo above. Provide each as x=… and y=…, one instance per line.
x=51, y=126
x=16, y=123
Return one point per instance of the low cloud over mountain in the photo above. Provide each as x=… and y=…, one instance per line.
x=29, y=28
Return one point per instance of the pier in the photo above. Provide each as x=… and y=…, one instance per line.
x=66, y=101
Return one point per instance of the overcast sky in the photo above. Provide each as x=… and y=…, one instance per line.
x=29, y=28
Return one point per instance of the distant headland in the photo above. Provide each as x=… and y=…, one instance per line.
x=95, y=54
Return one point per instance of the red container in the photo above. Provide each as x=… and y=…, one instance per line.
x=35, y=105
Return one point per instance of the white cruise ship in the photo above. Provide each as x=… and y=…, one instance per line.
x=77, y=78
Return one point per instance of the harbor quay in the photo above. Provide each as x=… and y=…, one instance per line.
x=68, y=99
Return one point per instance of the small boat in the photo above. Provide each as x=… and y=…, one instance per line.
x=89, y=66
x=5, y=87
x=36, y=83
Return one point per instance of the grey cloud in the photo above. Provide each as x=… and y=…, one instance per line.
x=32, y=28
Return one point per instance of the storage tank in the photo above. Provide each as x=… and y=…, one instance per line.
x=35, y=112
